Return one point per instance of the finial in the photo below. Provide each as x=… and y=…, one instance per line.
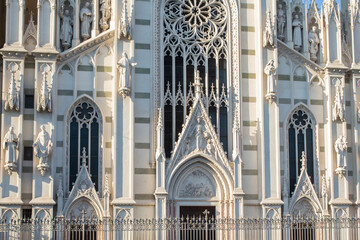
x=198, y=85
x=84, y=157
x=106, y=188
x=303, y=161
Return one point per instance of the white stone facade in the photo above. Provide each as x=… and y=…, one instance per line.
x=148, y=106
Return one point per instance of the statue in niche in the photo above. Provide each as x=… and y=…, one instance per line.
x=339, y=106
x=86, y=19
x=313, y=43
x=124, y=23
x=42, y=149
x=198, y=133
x=10, y=144
x=12, y=97
x=268, y=37
x=281, y=22
x=297, y=39
x=340, y=148
x=66, y=30
x=44, y=98
x=270, y=71
x=105, y=10
x=125, y=69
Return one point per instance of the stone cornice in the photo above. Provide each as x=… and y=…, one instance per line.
x=92, y=42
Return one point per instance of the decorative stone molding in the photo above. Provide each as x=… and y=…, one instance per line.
x=125, y=71
x=30, y=35
x=11, y=145
x=105, y=10
x=270, y=71
x=340, y=148
x=44, y=100
x=12, y=99
x=42, y=150
x=124, y=23
x=60, y=197
x=339, y=101
x=269, y=32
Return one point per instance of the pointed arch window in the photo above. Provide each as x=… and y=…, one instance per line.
x=301, y=138
x=195, y=44
x=84, y=132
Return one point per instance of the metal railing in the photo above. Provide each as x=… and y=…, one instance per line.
x=191, y=228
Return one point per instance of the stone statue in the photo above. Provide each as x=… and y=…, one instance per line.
x=10, y=144
x=339, y=105
x=125, y=69
x=66, y=30
x=268, y=38
x=313, y=43
x=198, y=133
x=340, y=148
x=124, y=23
x=281, y=16
x=60, y=197
x=42, y=149
x=12, y=97
x=44, y=96
x=297, y=39
x=105, y=10
x=86, y=19
x=270, y=71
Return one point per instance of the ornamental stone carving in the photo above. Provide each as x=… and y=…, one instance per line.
x=281, y=17
x=124, y=23
x=268, y=38
x=339, y=102
x=105, y=10
x=314, y=41
x=86, y=20
x=297, y=29
x=42, y=150
x=60, y=197
x=340, y=148
x=197, y=185
x=44, y=100
x=66, y=29
x=125, y=71
x=270, y=71
x=10, y=145
x=12, y=100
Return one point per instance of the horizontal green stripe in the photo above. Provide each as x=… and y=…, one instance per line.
x=250, y=147
x=144, y=197
x=81, y=92
x=348, y=103
x=349, y=150
x=144, y=46
x=28, y=143
x=249, y=99
x=247, y=29
x=108, y=145
x=321, y=125
x=249, y=75
x=350, y=173
x=281, y=148
x=142, y=70
x=108, y=119
x=142, y=120
x=103, y=93
x=26, y=195
x=142, y=95
x=348, y=126
x=284, y=100
x=85, y=68
x=29, y=65
x=284, y=77
x=142, y=22
x=59, y=143
x=299, y=78
x=145, y=171
x=27, y=169
x=60, y=118
x=29, y=91
x=142, y=145
x=104, y=69
x=249, y=123
x=29, y=117
x=108, y=170
x=316, y=102
x=247, y=52
x=59, y=169
x=296, y=101
x=65, y=92
x=251, y=197
x=250, y=172
x=247, y=5
x=322, y=149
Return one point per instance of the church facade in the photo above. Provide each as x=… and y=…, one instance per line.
x=151, y=109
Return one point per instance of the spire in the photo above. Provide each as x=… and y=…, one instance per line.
x=303, y=161
x=198, y=85
x=83, y=157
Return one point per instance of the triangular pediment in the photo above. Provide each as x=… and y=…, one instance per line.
x=198, y=137
x=83, y=188
x=304, y=190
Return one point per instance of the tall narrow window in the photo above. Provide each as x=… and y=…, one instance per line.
x=301, y=138
x=84, y=133
x=195, y=38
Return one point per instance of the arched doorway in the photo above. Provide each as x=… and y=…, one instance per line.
x=303, y=227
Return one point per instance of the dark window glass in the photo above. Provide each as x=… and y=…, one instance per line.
x=94, y=152
x=28, y=153
x=26, y=213
x=29, y=101
x=74, y=154
x=292, y=158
